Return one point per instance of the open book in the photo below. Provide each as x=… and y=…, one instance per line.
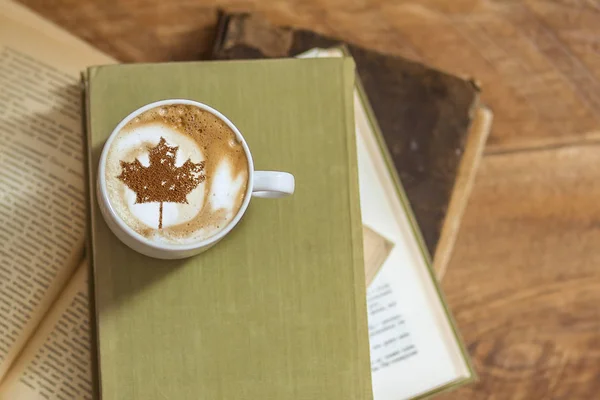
x=44, y=315
x=415, y=349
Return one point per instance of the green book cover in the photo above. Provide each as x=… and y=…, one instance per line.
x=277, y=309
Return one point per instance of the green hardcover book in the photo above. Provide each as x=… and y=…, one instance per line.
x=277, y=309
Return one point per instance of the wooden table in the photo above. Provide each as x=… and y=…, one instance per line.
x=524, y=281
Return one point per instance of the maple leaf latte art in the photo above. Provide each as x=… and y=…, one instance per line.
x=176, y=174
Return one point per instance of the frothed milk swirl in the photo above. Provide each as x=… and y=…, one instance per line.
x=176, y=174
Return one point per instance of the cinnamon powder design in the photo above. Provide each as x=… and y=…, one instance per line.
x=162, y=181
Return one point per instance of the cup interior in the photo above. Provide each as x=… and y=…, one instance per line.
x=105, y=199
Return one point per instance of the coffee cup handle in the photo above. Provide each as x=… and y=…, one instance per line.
x=273, y=184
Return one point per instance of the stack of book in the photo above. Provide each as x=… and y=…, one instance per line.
x=348, y=306
x=432, y=123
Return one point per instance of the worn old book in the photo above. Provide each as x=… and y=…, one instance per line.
x=278, y=309
x=44, y=318
x=433, y=125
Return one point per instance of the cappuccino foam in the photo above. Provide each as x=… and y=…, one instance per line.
x=176, y=174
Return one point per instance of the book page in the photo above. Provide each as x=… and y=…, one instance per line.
x=42, y=205
x=56, y=363
x=376, y=249
x=479, y=131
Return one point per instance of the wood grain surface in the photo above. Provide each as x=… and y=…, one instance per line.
x=537, y=60
x=524, y=282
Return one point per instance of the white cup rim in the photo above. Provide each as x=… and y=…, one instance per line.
x=168, y=247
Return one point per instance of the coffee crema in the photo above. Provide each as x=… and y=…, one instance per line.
x=176, y=174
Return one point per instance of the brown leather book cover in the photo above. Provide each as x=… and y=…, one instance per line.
x=425, y=116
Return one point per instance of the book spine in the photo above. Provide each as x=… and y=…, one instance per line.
x=366, y=392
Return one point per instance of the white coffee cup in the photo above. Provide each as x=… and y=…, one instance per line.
x=266, y=184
